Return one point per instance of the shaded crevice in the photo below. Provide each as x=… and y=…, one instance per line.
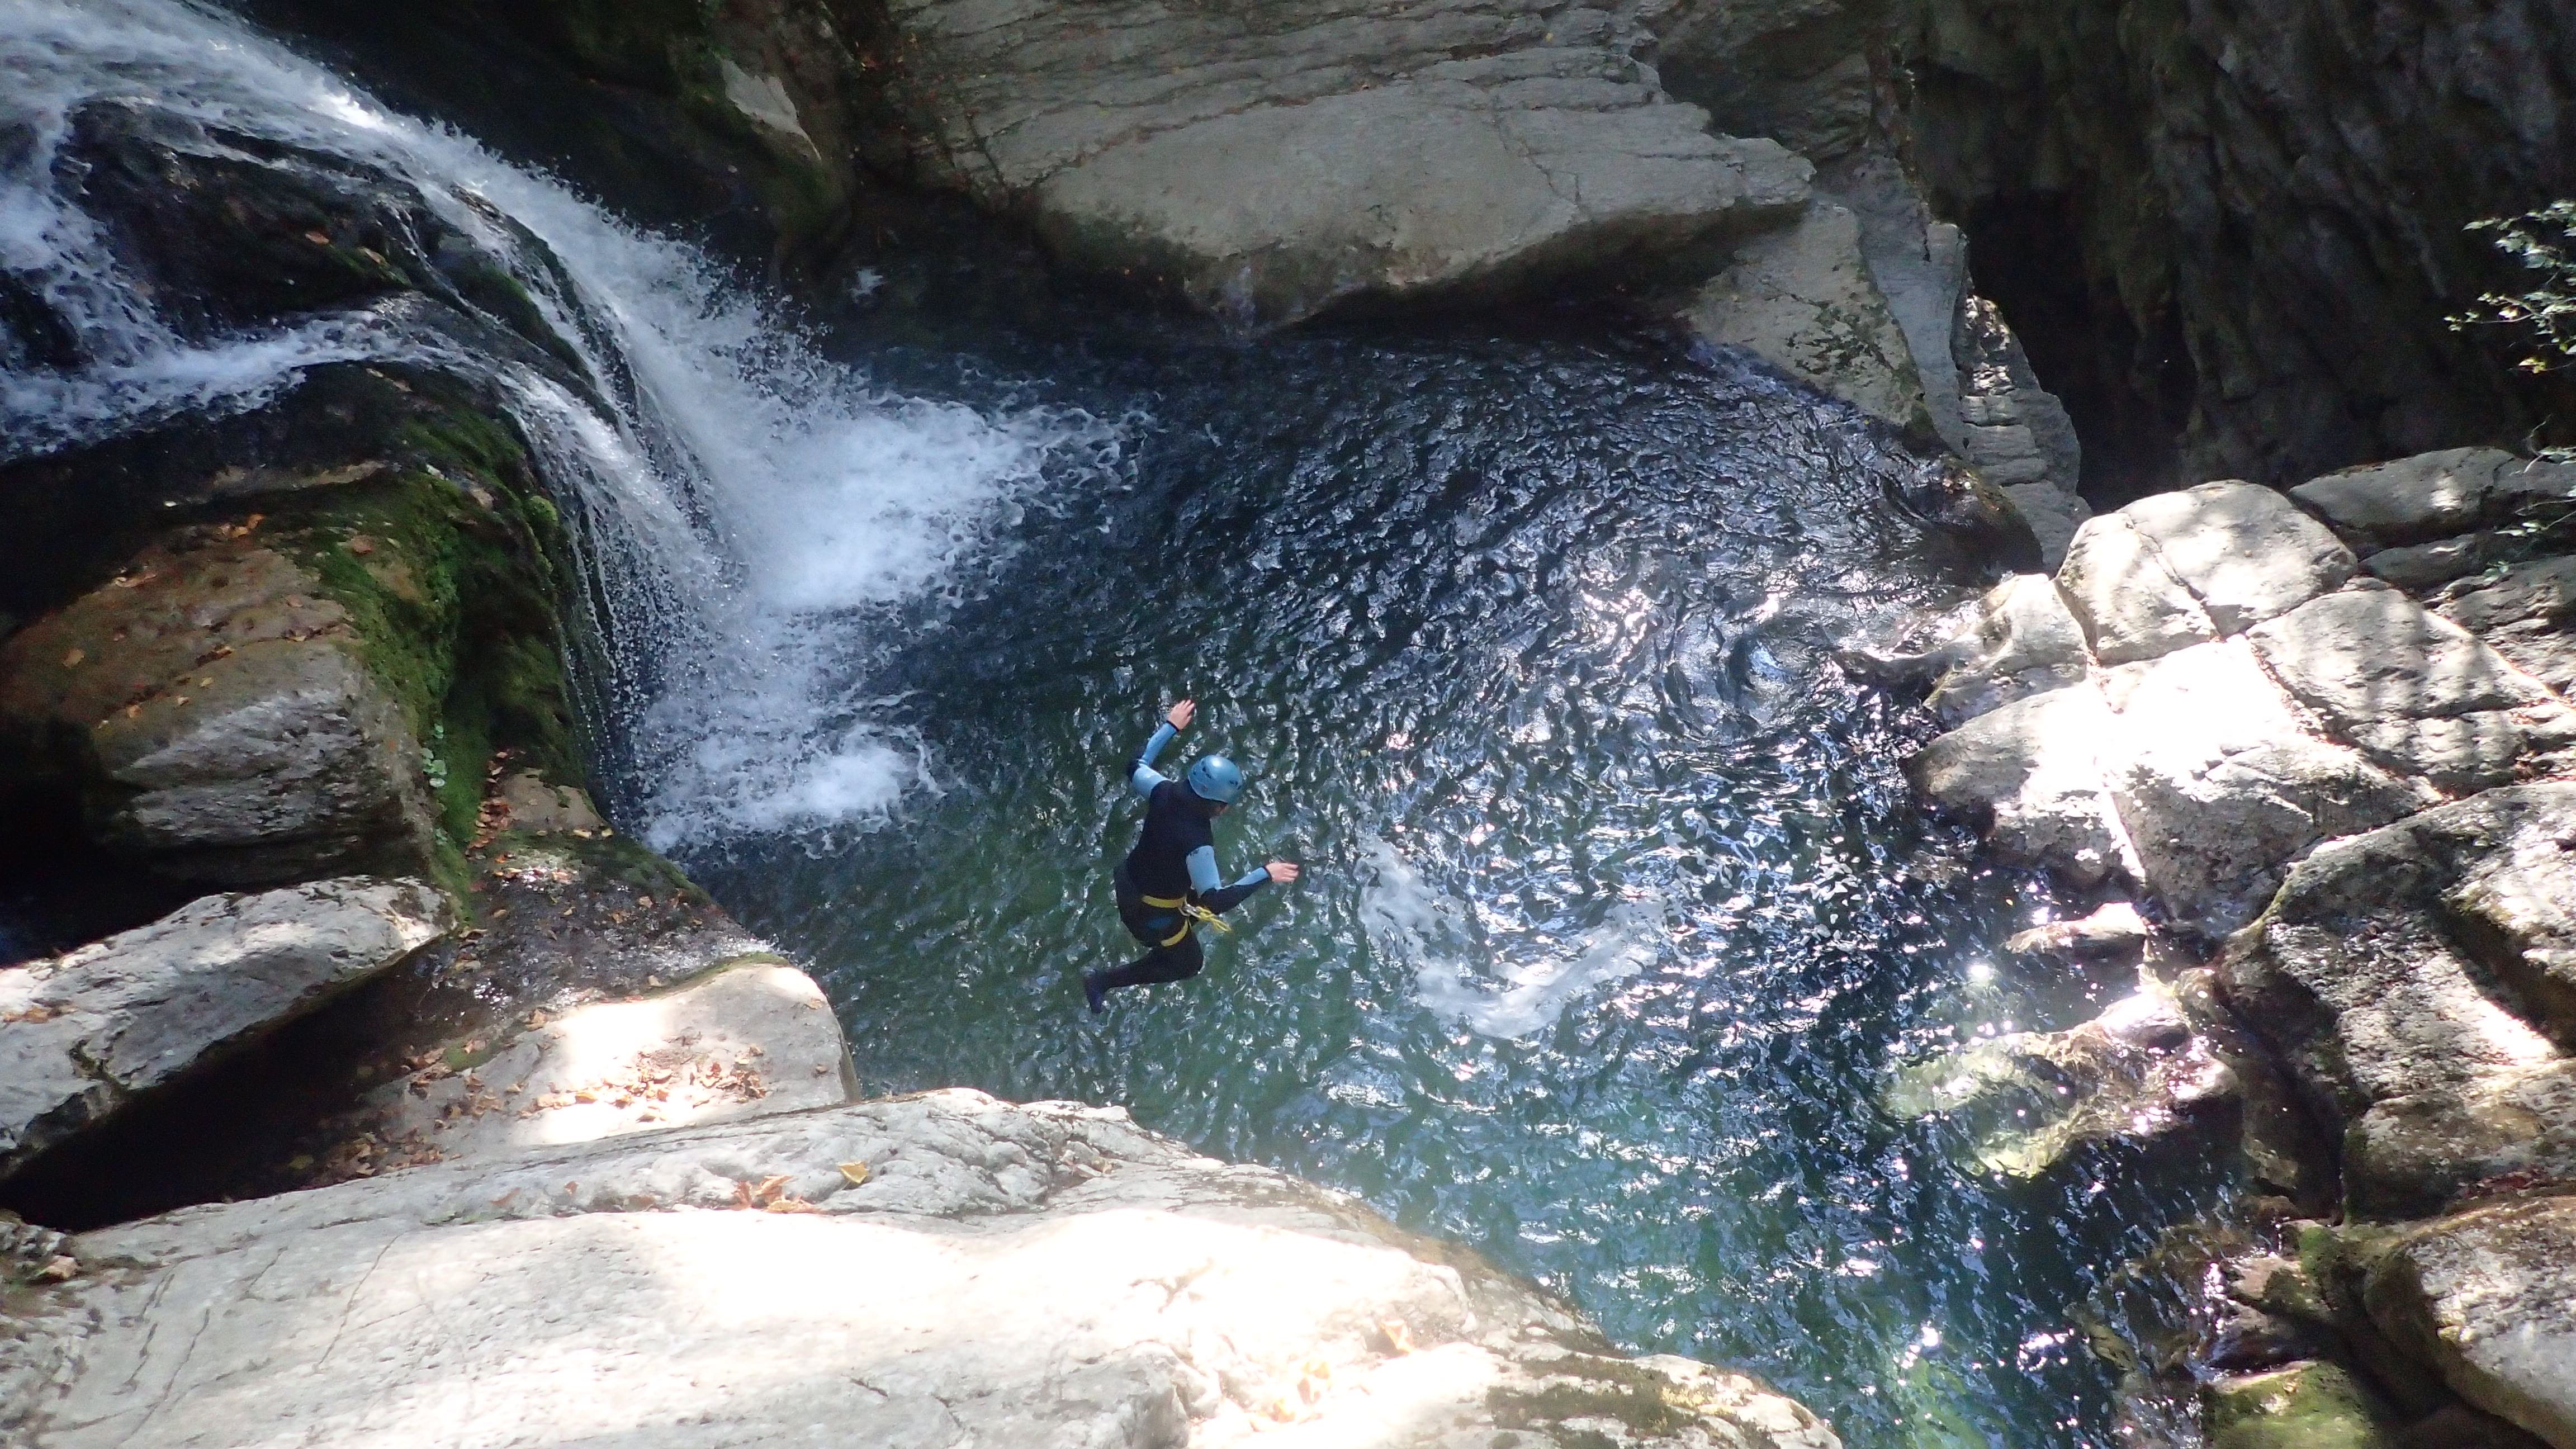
x=2127, y=384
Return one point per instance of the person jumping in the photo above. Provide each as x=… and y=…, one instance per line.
x=1167, y=886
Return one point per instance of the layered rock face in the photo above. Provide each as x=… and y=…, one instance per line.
x=2225, y=702
x=2241, y=227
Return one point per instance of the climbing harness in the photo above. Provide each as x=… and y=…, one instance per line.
x=1192, y=916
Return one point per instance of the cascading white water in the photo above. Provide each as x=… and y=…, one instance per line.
x=752, y=513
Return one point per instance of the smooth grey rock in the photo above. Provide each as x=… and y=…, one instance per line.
x=1802, y=299
x=2433, y=495
x=2024, y=641
x=2220, y=784
x=2379, y=971
x=2423, y=567
x=740, y=1041
x=2406, y=1156
x=2417, y=693
x=2245, y=552
x=1269, y=162
x=90, y=1031
x=930, y=1270
x=2489, y=1297
x=2527, y=613
x=2031, y=768
x=2131, y=605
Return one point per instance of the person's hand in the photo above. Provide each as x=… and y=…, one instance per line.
x=1282, y=871
x=1180, y=715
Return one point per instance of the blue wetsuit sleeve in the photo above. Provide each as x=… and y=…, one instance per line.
x=1141, y=773
x=1203, y=884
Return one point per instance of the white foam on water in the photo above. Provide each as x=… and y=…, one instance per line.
x=1410, y=921
x=749, y=513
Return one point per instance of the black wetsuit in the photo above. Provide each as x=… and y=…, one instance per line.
x=1174, y=861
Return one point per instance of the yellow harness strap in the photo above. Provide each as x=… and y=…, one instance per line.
x=1192, y=917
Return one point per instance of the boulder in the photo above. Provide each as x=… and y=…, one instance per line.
x=1271, y=162
x=2131, y=605
x=2219, y=784
x=1802, y=299
x=747, y=1038
x=2489, y=1297
x=2407, y=1156
x=2030, y=769
x=2433, y=495
x=215, y=710
x=2418, y=694
x=927, y=1270
x=2312, y=1405
x=90, y=1031
x=2527, y=613
x=2381, y=972
x=2179, y=568
x=2421, y=568
x=2023, y=642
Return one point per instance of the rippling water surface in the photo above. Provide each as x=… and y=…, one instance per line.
x=1616, y=914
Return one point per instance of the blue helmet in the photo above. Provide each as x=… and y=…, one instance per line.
x=1216, y=780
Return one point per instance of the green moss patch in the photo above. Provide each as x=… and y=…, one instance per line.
x=446, y=568
x=2305, y=1406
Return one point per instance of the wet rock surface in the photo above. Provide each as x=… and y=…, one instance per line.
x=903, y=1272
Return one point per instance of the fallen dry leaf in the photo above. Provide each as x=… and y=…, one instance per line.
x=58, y=1269
x=856, y=1172
x=73, y=659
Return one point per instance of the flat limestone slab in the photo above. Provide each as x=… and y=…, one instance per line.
x=740, y=1041
x=927, y=1271
x=87, y=1032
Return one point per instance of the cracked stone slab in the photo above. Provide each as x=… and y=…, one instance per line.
x=2183, y=568
x=2400, y=963
x=88, y=1032
x=2525, y=612
x=2220, y=782
x=2033, y=769
x=921, y=1271
x=2414, y=691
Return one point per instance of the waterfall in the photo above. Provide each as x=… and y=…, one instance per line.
x=753, y=517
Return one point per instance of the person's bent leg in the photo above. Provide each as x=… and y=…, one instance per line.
x=1179, y=961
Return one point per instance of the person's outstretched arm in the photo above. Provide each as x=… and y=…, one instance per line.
x=1222, y=899
x=1141, y=773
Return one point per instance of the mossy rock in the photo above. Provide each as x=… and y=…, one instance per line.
x=2311, y=1405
